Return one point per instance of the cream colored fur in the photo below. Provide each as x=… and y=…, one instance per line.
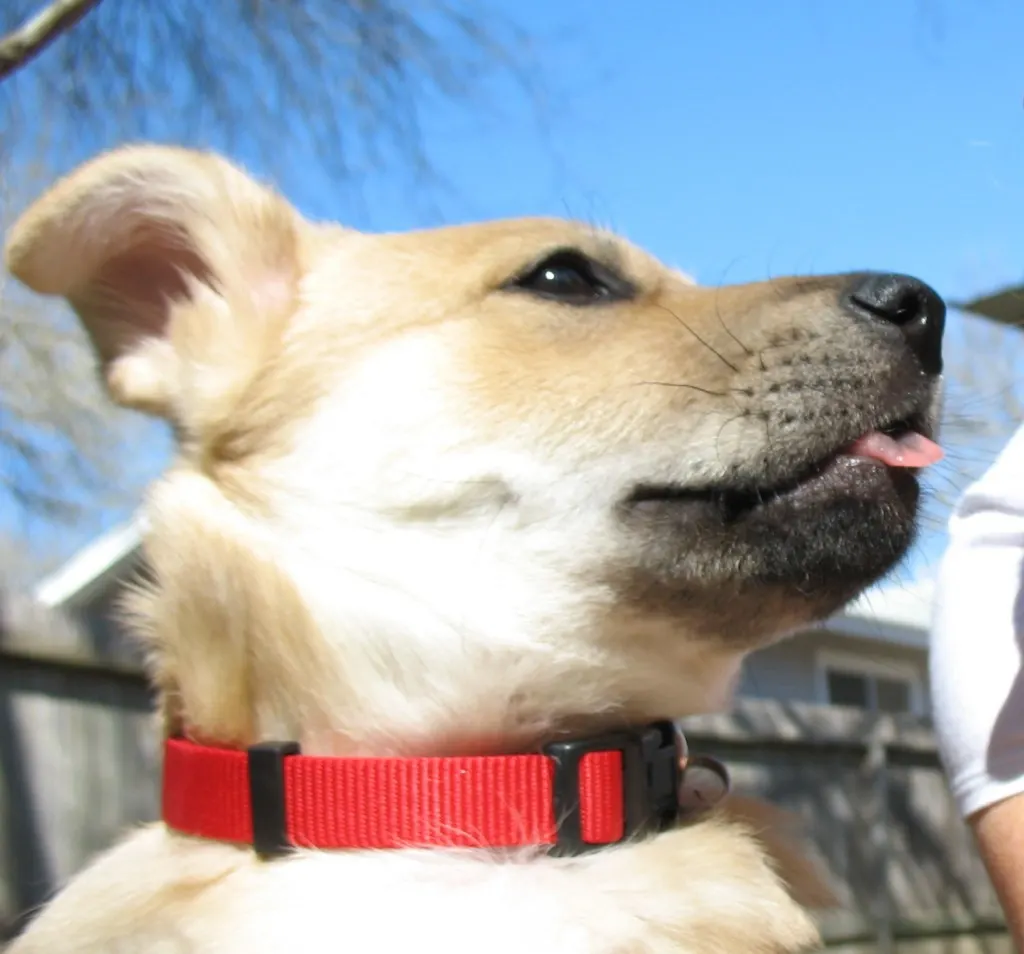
x=390, y=529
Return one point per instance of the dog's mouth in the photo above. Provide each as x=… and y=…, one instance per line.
x=902, y=445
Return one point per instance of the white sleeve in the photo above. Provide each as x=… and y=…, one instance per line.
x=975, y=661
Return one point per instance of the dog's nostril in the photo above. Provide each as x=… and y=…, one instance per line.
x=914, y=307
x=906, y=310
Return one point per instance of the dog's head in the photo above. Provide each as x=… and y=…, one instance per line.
x=466, y=487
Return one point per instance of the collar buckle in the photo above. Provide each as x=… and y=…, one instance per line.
x=268, y=807
x=651, y=764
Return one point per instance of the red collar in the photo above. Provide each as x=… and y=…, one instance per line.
x=575, y=797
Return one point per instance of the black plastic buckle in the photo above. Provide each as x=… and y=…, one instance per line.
x=267, y=798
x=650, y=778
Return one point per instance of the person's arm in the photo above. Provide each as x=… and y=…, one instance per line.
x=1000, y=833
x=976, y=671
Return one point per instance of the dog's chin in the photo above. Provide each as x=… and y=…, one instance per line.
x=804, y=548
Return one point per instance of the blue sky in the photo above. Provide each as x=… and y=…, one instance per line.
x=740, y=140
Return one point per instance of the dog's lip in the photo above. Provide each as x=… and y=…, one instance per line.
x=875, y=450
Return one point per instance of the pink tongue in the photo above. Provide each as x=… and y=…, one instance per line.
x=908, y=450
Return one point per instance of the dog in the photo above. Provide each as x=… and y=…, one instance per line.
x=452, y=505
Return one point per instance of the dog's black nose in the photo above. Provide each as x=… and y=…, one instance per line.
x=914, y=307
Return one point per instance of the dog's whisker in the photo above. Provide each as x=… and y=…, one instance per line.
x=677, y=384
x=718, y=354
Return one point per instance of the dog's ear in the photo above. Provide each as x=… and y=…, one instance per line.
x=152, y=247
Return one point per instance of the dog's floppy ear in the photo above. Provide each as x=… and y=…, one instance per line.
x=153, y=246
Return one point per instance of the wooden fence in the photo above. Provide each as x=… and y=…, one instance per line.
x=79, y=763
x=873, y=801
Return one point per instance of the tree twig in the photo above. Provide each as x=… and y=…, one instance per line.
x=34, y=35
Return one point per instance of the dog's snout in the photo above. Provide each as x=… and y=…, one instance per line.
x=914, y=307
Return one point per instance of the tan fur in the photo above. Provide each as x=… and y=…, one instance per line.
x=393, y=528
x=779, y=835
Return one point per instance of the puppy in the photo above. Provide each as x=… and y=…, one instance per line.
x=443, y=502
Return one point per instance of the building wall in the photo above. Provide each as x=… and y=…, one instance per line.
x=100, y=617
x=790, y=669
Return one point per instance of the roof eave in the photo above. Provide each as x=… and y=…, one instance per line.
x=100, y=561
x=1005, y=306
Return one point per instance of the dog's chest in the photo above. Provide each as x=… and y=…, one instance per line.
x=693, y=890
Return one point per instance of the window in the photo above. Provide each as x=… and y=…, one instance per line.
x=875, y=685
x=892, y=695
x=848, y=689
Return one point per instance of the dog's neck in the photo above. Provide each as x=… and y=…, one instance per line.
x=462, y=741
x=256, y=633
x=340, y=718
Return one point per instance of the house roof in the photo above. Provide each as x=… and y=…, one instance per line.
x=899, y=613
x=1004, y=306
x=92, y=568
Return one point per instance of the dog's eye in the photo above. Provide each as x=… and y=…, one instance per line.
x=574, y=279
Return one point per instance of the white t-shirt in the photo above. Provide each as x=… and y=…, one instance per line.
x=978, y=627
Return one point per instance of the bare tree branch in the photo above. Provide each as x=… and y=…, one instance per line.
x=31, y=38
x=343, y=80
x=293, y=87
